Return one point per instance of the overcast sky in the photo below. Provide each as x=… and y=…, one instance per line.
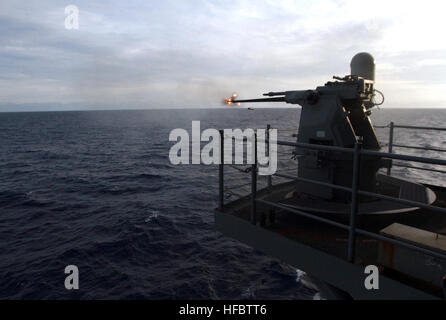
x=192, y=53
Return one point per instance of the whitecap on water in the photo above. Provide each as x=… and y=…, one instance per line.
x=302, y=278
x=153, y=215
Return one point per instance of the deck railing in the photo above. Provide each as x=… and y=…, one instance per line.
x=357, y=152
x=392, y=126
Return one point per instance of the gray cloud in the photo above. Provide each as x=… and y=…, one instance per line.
x=184, y=54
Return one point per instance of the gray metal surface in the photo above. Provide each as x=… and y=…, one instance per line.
x=405, y=190
x=323, y=266
x=335, y=115
x=335, y=118
x=416, y=265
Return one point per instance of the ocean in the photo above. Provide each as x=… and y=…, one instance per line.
x=96, y=189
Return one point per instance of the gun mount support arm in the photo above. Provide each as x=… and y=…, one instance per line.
x=293, y=97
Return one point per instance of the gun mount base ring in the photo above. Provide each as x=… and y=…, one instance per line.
x=391, y=186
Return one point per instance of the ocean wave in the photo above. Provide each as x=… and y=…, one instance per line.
x=98, y=191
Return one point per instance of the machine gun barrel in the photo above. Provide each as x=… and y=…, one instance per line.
x=278, y=99
x=272, y=94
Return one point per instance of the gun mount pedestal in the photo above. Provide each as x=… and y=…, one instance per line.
x=311, y=221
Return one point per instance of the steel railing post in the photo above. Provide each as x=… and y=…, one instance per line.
x=269, y=178
x=355, y=201
x=254, y=184
x=221, y=184
x=389, y=168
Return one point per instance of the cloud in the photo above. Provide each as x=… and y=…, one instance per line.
x=190, y=54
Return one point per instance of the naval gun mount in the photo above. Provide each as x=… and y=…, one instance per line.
x=315, y=227
x=338, y=114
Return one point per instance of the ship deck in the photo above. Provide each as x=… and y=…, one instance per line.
x=321, y=249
